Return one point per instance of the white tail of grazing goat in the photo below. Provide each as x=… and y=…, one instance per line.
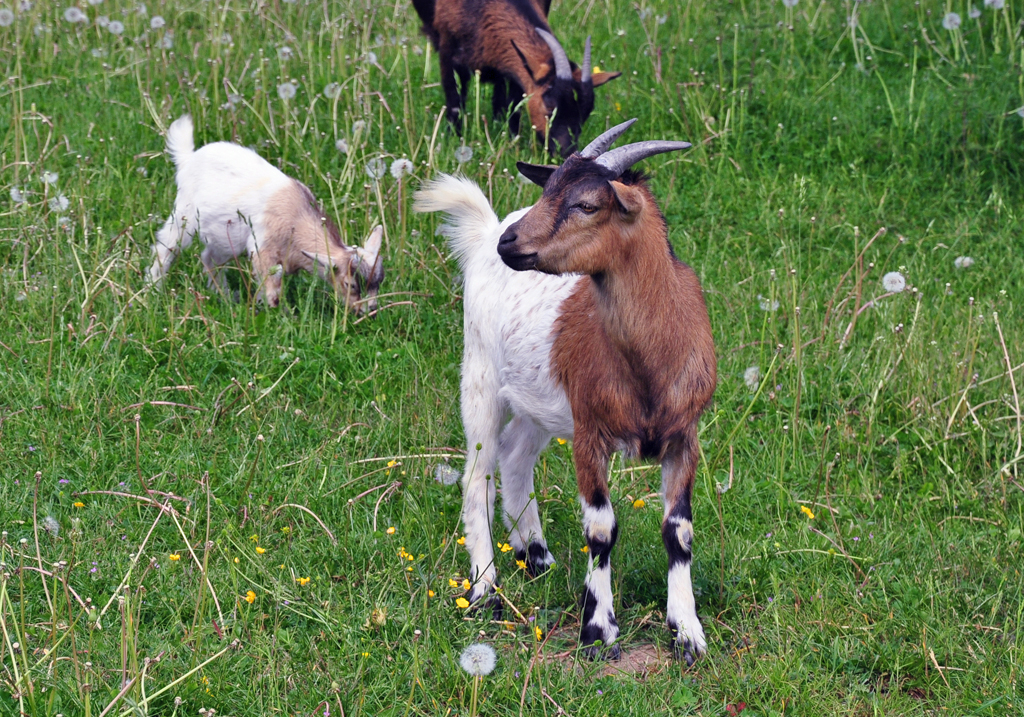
x=238, y=203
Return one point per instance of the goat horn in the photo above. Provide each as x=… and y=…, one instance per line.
x=622, y=158
x=586, y=76
x=563, y=71
x=600, y=145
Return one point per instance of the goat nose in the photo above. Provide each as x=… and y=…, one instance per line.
x=508, y=238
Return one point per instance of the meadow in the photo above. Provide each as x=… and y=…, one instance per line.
x=211, y=508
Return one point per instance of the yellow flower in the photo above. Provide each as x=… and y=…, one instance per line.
x=250, y=597
x=286, y=529
x=409, y=569
x=596, y=69
x=618, y=107
x=254, y=538
x=452, y=583
x=366, y=654
x=430, y=593
x=78, y=504
x=505, y=547
x=390, y=530
x=639, y=503
x=236, y=560
x=281, y=566
x=462, y=602
x=174, y=556
x=585, y=549
x=807, y=511
x=392, y=463
x=302, y=581
x=462, y=540
x=466, y=584
x=561, y=441
x=521, y=564
x=537, y=633
x=260, y=551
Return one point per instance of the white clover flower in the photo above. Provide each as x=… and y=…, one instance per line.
x=59, y=203
x=767, y=305
x=286, y=90
x=358, y=126
x=17, y=196
x=342, y=146
x=6, y=17
x=951, y=21
x=116, y=27
x=478, y=659
x=332, y=91
x=463, y=154
x=963, y=262
x=752, y=377
x=894, y=282
x=167, y=41
x=974, y=13
x=75, y=15
x=156, y=22
x=446, y=475
x=376, y=168
x=401, y=167
x=995, y=4
x=50, y=177
x=790, y=3
x=284, y=53
x=103, y=21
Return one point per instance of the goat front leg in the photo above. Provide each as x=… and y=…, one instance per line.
x=677, y=476
x=601, y=531
x=481, y=418
x=268, y=276
x=521, y=442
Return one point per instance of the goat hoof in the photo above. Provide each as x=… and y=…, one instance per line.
x=688, y=641
x=598, y=651
x=486, y=599
x=537, y=558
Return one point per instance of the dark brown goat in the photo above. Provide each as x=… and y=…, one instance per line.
x=513, y=47
x=611, y=345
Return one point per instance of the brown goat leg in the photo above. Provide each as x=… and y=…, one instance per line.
x=601, y=531
x=452, y=98
x=678, y=470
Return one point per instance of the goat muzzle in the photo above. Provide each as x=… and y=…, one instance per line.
x=510, y=253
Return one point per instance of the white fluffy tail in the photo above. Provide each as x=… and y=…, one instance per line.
x=179, y=140
x=470, y=217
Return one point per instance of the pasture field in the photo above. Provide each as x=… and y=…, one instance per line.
x=263, y=500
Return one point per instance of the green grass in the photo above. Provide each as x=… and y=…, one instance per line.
x=902, y=596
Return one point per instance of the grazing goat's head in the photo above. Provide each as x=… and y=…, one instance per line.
x=592, y=210
x=567, y=97
x=355, y=272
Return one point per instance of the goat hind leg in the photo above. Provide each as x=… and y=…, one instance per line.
x=678, y=470
x=452, y=98
x=521, y=442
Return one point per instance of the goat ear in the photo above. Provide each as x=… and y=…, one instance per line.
x=628, y=198
x=539, y=174
x=368, y=255
x=601, y=77
x=324, y=264
x=522, y=58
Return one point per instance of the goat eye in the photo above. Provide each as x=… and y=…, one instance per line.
x=586, y=208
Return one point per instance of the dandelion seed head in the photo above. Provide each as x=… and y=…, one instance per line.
x=284, y=53
x=974, y=13
x=286, y=90
x=376, y=168
x=358, y=127
x=371, y=58
x=951, y=21
x=446, y=475
x=463, y=154
x=790, y=3
x=59, y=203
x=963, y=262
x=17, y=196
x=50, y=525
x=894, y=282
x=156, y=22
x=75, y=15
x=332, y=91
x=6, y=17
x=342, y=146
x=401, y=167
x=752, y=377
x=478, y=659
x=767, y=305
x=116, y=27
x=995, y=4
x=95, y=2
x=103, y=21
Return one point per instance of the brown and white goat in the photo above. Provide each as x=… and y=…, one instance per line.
x=514, y=48
x=606, y=341
x=236, y=202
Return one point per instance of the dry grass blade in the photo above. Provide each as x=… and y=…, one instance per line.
x=315, y=517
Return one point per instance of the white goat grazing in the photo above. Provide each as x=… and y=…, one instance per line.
x=237, y=202
x=607, y=342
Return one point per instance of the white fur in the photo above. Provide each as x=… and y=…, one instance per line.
x=599, y=580
x=682, y=608
x=508, y=332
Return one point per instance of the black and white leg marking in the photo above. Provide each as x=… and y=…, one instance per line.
x=521, y=442
x=688, y=639
x=601, y=532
